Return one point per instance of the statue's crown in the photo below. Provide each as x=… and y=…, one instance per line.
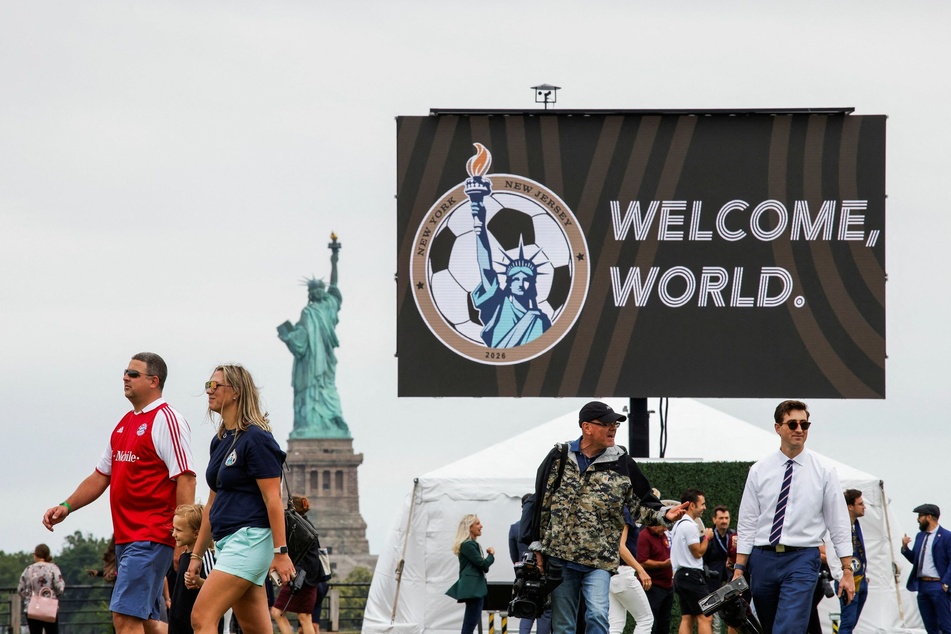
x=312, y=283
x=522, y=264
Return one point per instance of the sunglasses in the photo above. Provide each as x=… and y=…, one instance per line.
x=614, y=425
x=795, y=424
x=134, y=374
x=214, y=385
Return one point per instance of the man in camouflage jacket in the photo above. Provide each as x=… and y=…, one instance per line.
x=581, y=490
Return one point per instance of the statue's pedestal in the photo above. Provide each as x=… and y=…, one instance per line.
x=325, y=471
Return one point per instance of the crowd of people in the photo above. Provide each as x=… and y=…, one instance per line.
x=593, y=516
x=179, y=567
x=621, y=550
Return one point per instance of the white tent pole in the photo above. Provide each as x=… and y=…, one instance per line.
x=891, y=549
x=399, y=566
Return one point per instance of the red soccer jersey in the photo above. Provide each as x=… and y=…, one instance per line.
x=146, y=452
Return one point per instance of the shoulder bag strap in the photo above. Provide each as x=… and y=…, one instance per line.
x=287, y=487
x=561, y=466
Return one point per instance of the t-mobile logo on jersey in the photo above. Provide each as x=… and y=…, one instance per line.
x=125, y=456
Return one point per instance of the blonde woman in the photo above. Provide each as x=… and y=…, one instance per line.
x=471, y=587
x=244, y=514
x=42, y=573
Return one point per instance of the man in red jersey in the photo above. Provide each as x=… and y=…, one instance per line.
x=148, y=463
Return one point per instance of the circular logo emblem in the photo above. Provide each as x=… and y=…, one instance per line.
x=500, y=267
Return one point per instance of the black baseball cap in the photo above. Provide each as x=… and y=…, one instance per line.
x=928, y=509
x=602, y=412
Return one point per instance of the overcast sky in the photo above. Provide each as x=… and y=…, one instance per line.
x=170, y=170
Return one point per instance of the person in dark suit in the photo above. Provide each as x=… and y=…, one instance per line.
x=931, y=569
x=471, y=587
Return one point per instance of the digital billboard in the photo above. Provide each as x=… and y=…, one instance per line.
x=641, y=254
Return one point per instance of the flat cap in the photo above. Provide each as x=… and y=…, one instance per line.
x=928, y=509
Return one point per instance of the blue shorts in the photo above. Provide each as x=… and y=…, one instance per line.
x=140, y=579
x=246, y=553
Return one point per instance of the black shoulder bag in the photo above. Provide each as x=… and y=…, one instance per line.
x=303, y=538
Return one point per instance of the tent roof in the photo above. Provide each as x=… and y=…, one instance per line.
x=695, y=433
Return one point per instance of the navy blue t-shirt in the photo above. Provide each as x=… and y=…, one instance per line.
x=233, y=471
x=632, y=532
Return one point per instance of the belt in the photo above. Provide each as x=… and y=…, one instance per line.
x=780, y=548
x=929, y=579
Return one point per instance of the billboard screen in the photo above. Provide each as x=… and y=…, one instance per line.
x=641, y=255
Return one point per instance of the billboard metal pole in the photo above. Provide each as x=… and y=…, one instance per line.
x=638, y=428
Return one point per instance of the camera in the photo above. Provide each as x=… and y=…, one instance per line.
x=298, y=581
x=296, y=584
x=825, y=581
x=717, y=600
x=733, y=608
x=531, y=589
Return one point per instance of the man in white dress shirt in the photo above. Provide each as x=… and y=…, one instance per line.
x=790, y=500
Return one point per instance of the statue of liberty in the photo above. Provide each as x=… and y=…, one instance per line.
x=510, y=316
x=312, y=340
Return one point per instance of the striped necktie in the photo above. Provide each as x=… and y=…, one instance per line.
x=777, y=529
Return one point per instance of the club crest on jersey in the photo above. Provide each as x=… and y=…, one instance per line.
x=232, y=458
x=141, y=429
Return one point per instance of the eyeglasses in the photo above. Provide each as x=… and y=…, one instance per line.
x=614, y=425
x=795, y=424
x=134, y=374
x=214, y=385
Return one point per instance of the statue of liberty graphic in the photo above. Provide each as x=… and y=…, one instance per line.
x=510, y=315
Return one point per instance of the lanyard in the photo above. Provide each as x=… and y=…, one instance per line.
x=722, y=542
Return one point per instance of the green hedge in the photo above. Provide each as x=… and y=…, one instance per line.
x=721, y=483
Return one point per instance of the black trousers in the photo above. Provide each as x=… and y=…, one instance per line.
x=661, y=601
x=39, y=627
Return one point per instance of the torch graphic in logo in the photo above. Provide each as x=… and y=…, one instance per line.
x=500, y=267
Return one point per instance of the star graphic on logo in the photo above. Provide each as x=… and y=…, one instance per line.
x=580, y=256
x=419, y=286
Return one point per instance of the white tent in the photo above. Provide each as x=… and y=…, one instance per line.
x=409, y=598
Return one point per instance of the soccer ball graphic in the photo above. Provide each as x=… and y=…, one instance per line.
x=517, y=226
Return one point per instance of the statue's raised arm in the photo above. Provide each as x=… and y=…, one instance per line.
x=334, y=247
x=477, y=189
x=509, y=314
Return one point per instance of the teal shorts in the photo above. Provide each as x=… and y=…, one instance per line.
x=246, y=553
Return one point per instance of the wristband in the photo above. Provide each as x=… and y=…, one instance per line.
x=69, y=509
x=195, y=556
x=740, y=567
